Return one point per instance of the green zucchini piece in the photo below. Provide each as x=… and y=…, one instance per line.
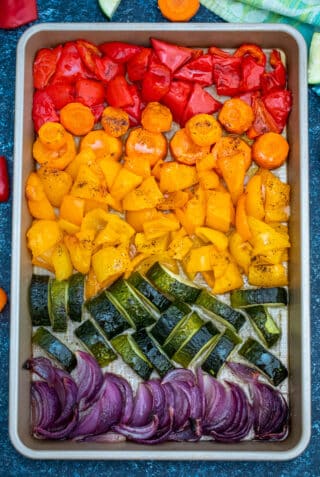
x=130, y=303
x=264, y=324
x=58, y=304
x=182, y=332
x=221, y=351
x=146, y=289
x=132, y=355
x=168, y=320
x=153, y=353
x=38, y=300
x=228, y=316
x=266, y=362
x=96, y=344
x=274, y=296
x=172, y=284
x=106, y=314
x=76, y=296
x=198, y=345
x=55, y=348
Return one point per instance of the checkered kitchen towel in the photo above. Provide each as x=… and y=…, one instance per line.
x=303, y=15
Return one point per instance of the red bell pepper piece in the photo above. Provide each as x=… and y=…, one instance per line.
x=172, y=56
x=89, y=92
x=106, y=69
x=200, y=101
x=4, y=180
x=70, y=66
x=227, y=75
x=263, y=120
x=246, y=97
x=138, y=65
x=97, y=111
x=44, y=66
x=279, y=104
x=213, y=50
x=251, y=74
x=118, y=93
x=156, y=82
x=88, y=53
x=14, y=13
x=197, y=71
x=276, y=79
x=134, y=111
x=118, y=51
x=43, y=109
x=176, y=98
x=253, y=50
x=61, y=94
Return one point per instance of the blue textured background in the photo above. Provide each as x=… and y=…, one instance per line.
x=13, y=464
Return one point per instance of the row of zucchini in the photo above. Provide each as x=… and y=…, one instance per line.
x=172, y=319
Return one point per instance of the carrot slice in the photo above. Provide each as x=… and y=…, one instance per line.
x=178, y=10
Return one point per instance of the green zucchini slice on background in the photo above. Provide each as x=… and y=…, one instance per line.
x=146, y=289
x=107, y=315
x=223, y=312
x=274, y=296
x=221, y=350
x=58, y=304
x=55, y=348
x=172, y=284
x=182, y=332
x=153, y=353
x=76, y=296
x=39, y=300
x=266, y=362
x=138, y=310
x=168, y=320
x=132, y=355
x=263, y=323
x=96, y=344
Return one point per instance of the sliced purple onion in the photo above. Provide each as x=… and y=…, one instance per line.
x=142, y=406
x=88, y=377
x=127, y=396
x=63, y=433
x=45, y=404
x=139, y=433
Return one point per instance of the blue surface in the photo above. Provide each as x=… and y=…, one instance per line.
x=13, y=464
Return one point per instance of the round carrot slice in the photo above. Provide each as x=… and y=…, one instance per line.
x=115, y=121
x=103, y=145
x=270, y=150
x=236, y=116
x=156, y=117
x=178, y=10
x=77, y=118
x=52, y=135
x=204, y=129
x=184, y=150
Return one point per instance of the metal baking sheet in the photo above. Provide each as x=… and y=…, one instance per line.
x=298, y=338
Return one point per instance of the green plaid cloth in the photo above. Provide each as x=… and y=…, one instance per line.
x=303, y=15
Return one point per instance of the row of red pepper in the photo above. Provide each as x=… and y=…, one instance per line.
x=128, y=76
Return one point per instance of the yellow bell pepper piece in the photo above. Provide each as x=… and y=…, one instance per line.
x=84, y=157
x=159, y=226
x=268, y=275
x=219, y=210
x=43, y=235
x=174, y=200
x=147, y=196
x=175, y=176
x=208, y=179
x=117, y=231
x=92, y=286
x=206, y=162
x=62, y=262
x=240, y=250
x=230, y=280
x=219, y=261
x=241, y=218
x=68, y=227
x=72, y=209
x=277, y=197
x=192, y=215
x=179, y=247
x=219, y=239
x=254, y=199
x=151, y=247
x=56, y=184
x=162, y=257
x=265, y=238
x=90, y=204
x=271, y=257
x=109, y=261
x=80, y=247
x=95, y=219
x=110, y=169
x=89, y=184
x=125, y=182
x=209, y=278
x=38, y=203
x=199, y=260
x=233, y=171
x=139, y=165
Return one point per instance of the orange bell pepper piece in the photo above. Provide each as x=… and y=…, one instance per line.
x=38, y=203
x=146, y=196
x=254, y=198
x=103, y=145
x=138, y=165
x=241, y=219
x=125, y=182
x=219, y=210
x=136, y=218
x=233, y=171
x=110, y=169
x=277, y=197
x=43, y=235
x=174, y=177
x=72, y=209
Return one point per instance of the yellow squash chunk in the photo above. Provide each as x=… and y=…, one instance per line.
x=61, y=262
x=80, y=247
x=174, y=176
x=124, y=183
x=230, y=280
x=240, y=250
x=219, y=239
x=109, y=261
x=254, y=200
x=56, y=184
x=180, y=247
x=199, y=260
x=110, y=169
x=265, y=238
x=38, y=203
x=43, y=235
x=147, y=196
x=268, y=275
x=219, y=210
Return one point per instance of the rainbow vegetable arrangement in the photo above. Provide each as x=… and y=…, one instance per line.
x=121, y=192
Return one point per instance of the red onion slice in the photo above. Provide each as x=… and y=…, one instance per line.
x=88, y=377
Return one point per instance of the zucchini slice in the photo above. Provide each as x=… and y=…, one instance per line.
x=38, y=300
x=132, y=355
x=153, y=353
x=172, y=284
x=55, y=348
x=274, y=296
x=146, y=289
x=262, y=359
x=168, y=320
x=221, y=351
x=76, y=296
x=198, y=345
x=136, y=309
x=264, y=324
x=108, y=317
x=228, y=316
x=96, y=344
x=58, y=304
x=182, y=332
